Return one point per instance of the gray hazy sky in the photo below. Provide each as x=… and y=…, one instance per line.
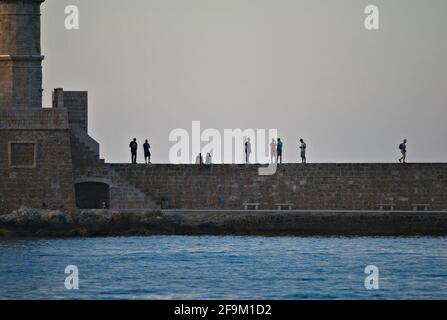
x=306, y=67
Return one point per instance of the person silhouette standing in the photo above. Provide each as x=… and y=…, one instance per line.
x=279, y=148
x=273, y=151
x=199, y=159
x=303, y=148
x=208, y=160
x=247, y=150
x=133, y=150
x=147, y=152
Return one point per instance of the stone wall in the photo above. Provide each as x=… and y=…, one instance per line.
x=309, y=187
x=76, y=103
x=33, y=119
x=46, y=180
x=49, y=183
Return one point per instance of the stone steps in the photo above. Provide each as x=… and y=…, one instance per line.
x=88, y=167
x=85, y=150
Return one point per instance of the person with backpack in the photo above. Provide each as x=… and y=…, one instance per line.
x=403, y=150
x=133, y=150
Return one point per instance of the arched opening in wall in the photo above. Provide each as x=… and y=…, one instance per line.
x=92, y=195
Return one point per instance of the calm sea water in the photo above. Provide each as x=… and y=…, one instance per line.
x=224, y=268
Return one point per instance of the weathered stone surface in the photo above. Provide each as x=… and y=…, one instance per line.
x=20, y=20
x=29, y=222
x=30, y=218
x=20, y=54
x=76, y=102
x=308, y=187
x=33, y=119
x=48, y=184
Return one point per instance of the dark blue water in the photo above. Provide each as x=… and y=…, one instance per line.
x=224, y=268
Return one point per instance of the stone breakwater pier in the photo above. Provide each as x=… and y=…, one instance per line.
x=316, y=199
x=54, y=183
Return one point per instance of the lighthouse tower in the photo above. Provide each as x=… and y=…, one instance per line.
x=35, y=149
x=47, y=158
x=20, y=54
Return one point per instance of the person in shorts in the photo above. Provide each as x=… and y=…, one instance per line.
x=403, y=151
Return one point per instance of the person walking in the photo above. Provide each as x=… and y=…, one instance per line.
x=247, y=151
x=303, y=147
x=147, y=152
x=279, y=148
x=273, y=151
x=133, y=150
x=403, y=151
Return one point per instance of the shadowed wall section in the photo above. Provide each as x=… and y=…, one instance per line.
x=92, y=195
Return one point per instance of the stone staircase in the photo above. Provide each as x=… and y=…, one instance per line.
x=89, y=146
x=89, y=167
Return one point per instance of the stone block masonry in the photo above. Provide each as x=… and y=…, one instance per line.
x=17, y=74
x=307, y=187
x=20, y=25
x=20, y=54
x=48, y=183
x=33, y=119
x=76, y=102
